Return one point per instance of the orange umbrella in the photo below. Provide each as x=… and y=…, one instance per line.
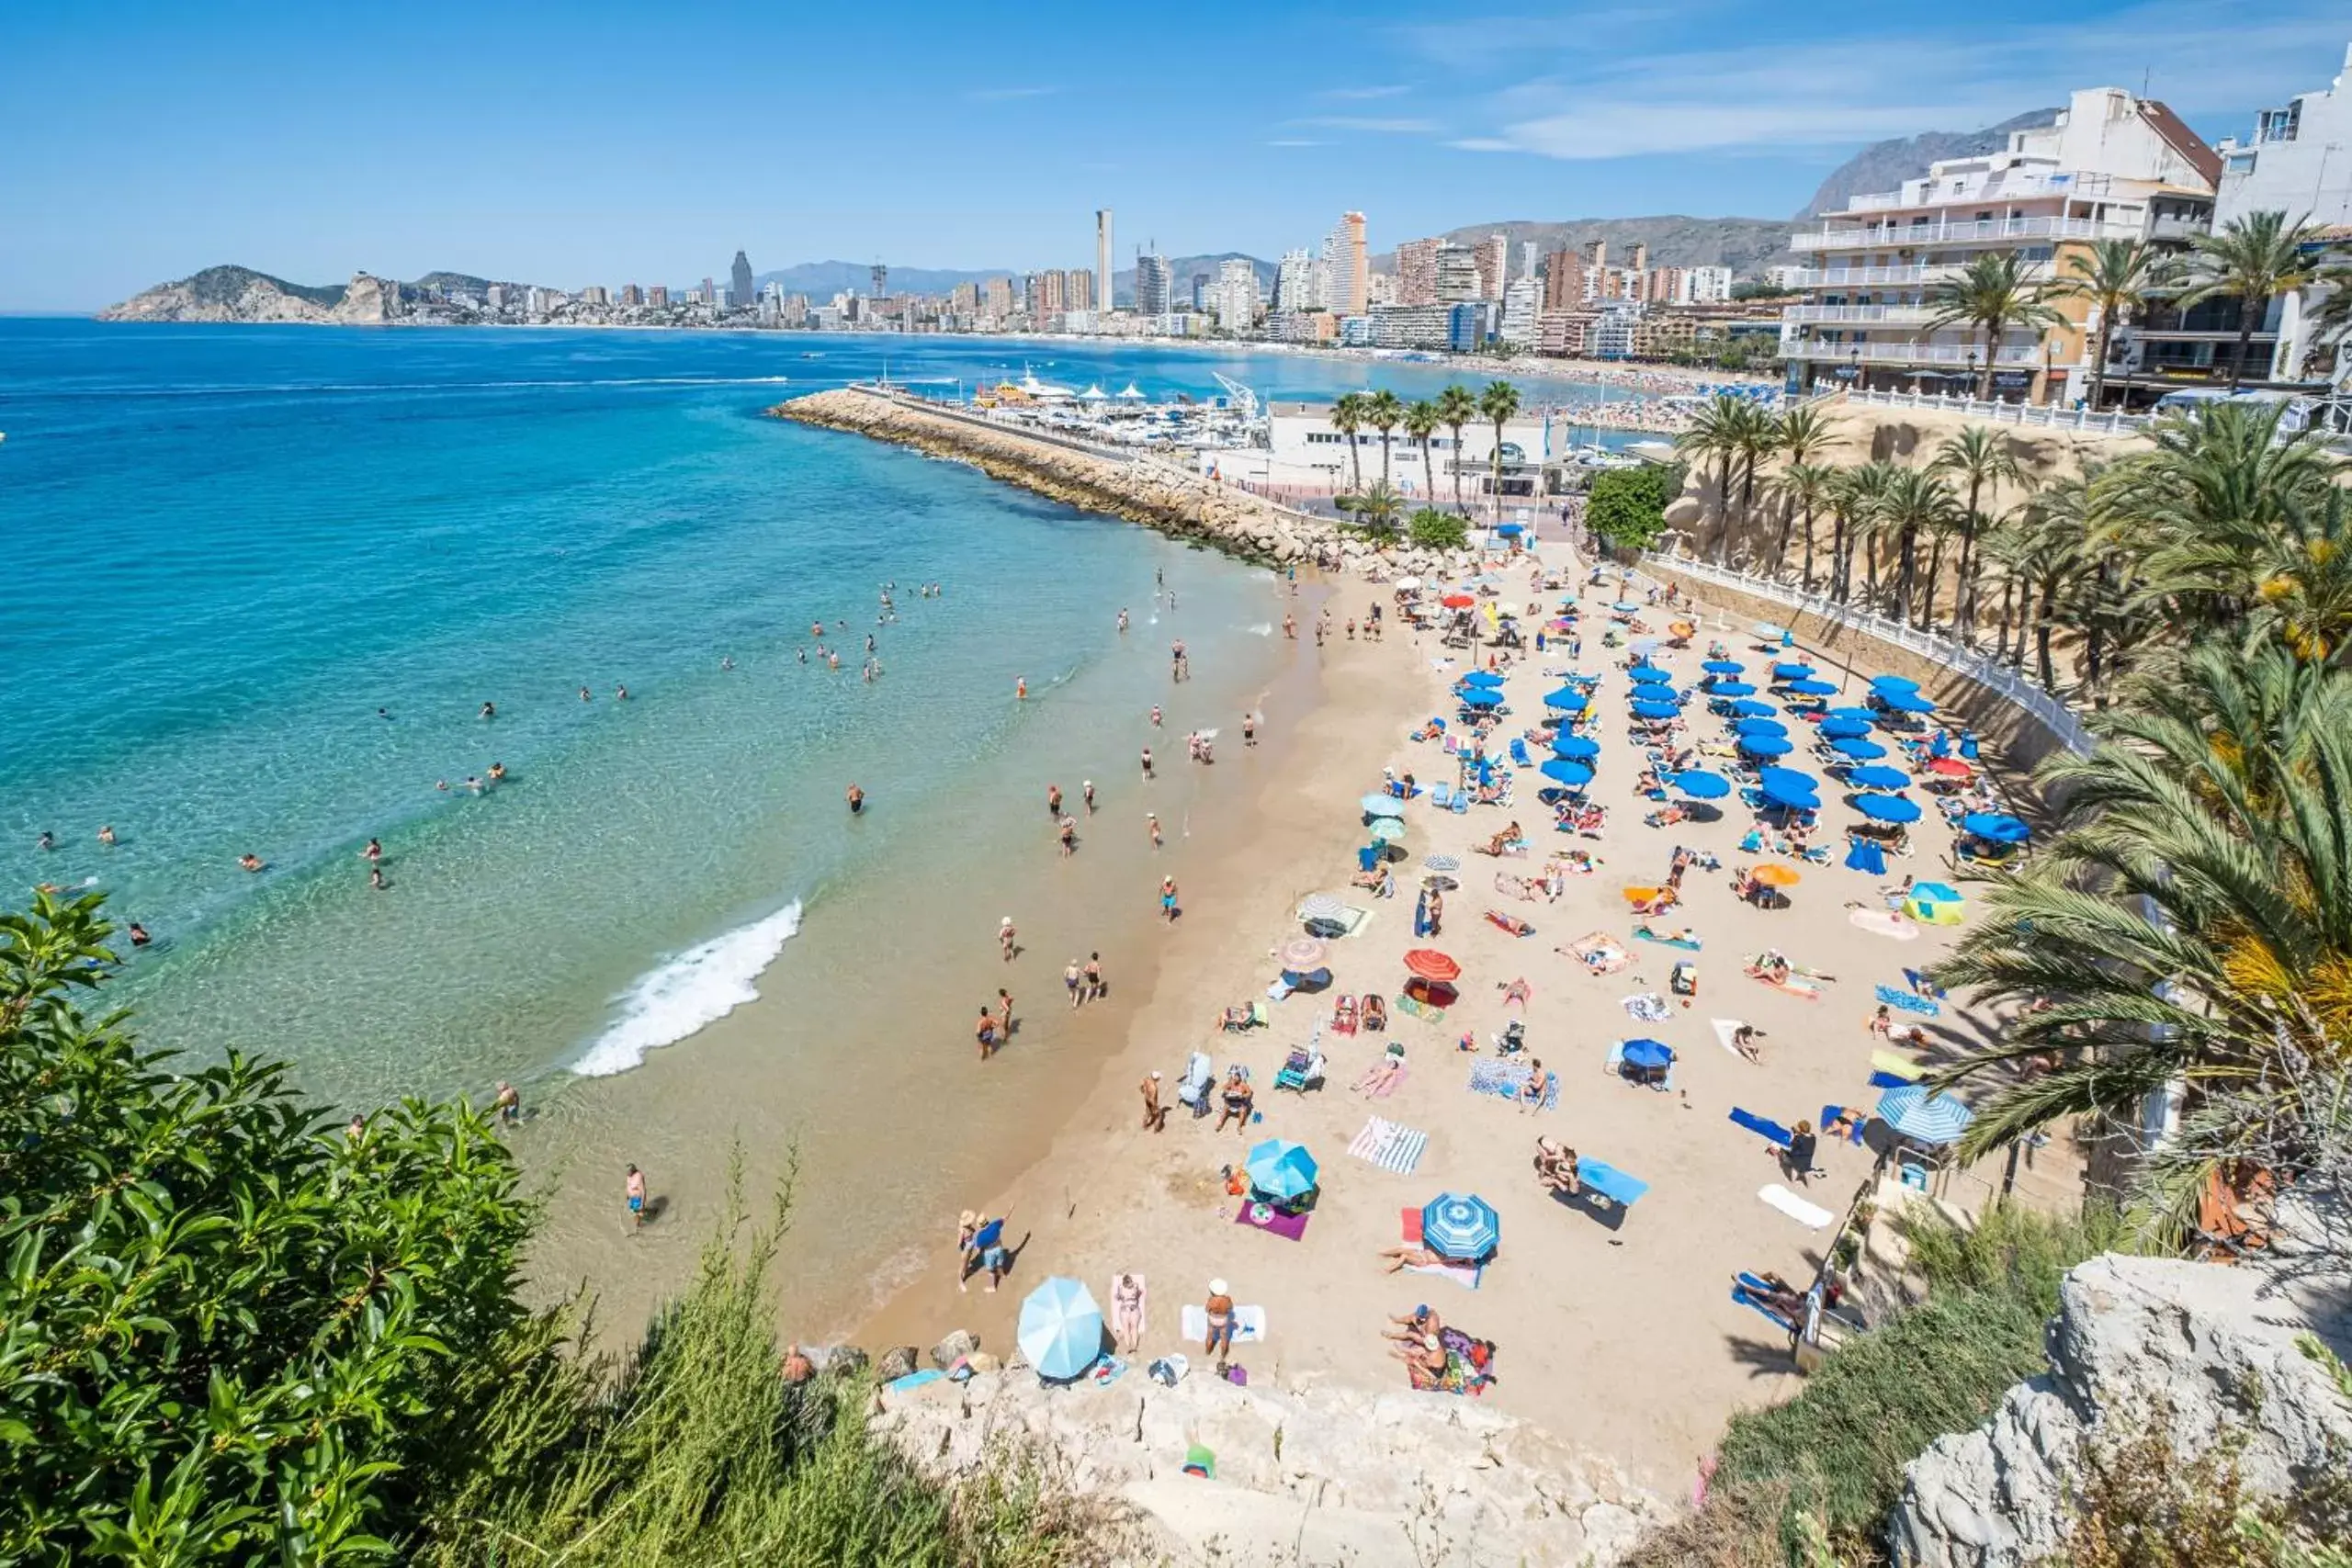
x=1457, y=601
x=1682, y=629
x=1775, y=875
x=1640, y=894
x=1431, y=964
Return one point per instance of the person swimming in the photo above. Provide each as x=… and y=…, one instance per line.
x=489, y=710
x=856, y=800
x=497, y=773
x=138, y=937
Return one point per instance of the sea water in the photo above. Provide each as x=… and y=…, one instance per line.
x=262, y=581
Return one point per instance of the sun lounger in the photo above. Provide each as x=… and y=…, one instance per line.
x=1303, y=1071
x=1199, y=1074
x=1389, y=1146
x=1441, y=797
x=1343, y=1014
x=1771, y=1132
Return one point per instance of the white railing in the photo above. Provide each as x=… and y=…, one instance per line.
x=1795, y=345
x=1965, y=230
x=2112, y=423
x=2011, y=686
x=1907, y=314
x=2007, y=185
x=1915, y=272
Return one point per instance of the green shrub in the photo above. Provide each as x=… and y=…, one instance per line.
x=1430, y=529
x=1628, y=506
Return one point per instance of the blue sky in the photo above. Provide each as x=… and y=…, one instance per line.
x=602, y=144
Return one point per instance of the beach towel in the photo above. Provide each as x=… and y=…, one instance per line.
x=1764, y=1127
x=929, y=1374
x=1755, y=1301
x=1907, y=1001
x=1457, y=1378
x=1810, y=1216
x=1501, y=1080
x=1465, y=1275
x=1890, y=1080
x=1884, y=922
x=1647, y=1006
x=1390, y=1145
x=1802, y=990
x=1725, y=1028
x=1249, y=1324
x=1598, y=952
x=1894, y=1066
x=1918, y=980
x=1687, y=944
x=1263, y=1217
x=1831, y=1112
x=1609, y=1182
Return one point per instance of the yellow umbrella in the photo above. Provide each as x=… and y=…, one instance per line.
x=1775, y=876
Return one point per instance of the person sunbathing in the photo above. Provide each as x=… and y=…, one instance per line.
x=1405, y=1256
x=1408, y=1328
x=1496, y=845
x=1428, y=1356
x=1768, y=966
x=1381, y=1076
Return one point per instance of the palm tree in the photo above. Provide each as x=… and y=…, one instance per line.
x=2252, y=260
x=1805, y=435
x=1759, y=438
x=2191, y=924
x=1854, y=501
x=1993, y=296
x=1914, y=501
x=1499, y=403
x=1714, y=432
x=1422, y=421
x=1456, y=408
x=2057, y=523
x=2115, y=276
x=2305, y=593
x=1378, y=507
x=1382, y=411
x=1978, y=459
x=1347, y=418
x=1806, y=486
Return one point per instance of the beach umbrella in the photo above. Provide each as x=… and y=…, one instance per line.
x=1454, y=1225
x=1649, y=1055
x=1457, y=601
x=1642, y=647
x=1281, y=1169
x=1771, y=631
x=1575, y=748
x=1722, y=667
x=1936, y=892
x=1061, y=1329
x=1748, y=708
x=1859, y=715
x=1322, y=906
x=1887, y=808
x=1387, y=829
x=1565, y=697
x=1996, y=826
x=1681, y=628
x=1627, y=605
x=1775, y=875
x=1843, y=730
x=1300, y=955
x=1408, y=583
x=1906, y=702
x=1701, y=784
x=1759, y=726
x=1382, y=805
x=1440, y=863
x=1948, y=768
x=1864, y=854
x=1653, y=692
x=1654, y=710
x=1732, y=689
x=1924, y=1115
x=1575, y=776
x=1428, y=964
x=1477, y=697
x=1810, y=688
x=1791, y=671
x=1934, y=904
x=1637, y=894
x=1482, y=677
x=1766, y=745
x=1860, y=750
x=1878, y=778
x=1894, y=683
x=1786, y=786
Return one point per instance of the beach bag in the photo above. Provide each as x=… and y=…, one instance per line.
x=1168, y=1370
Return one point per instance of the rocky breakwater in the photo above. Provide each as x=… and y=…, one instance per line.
x=1148, y=490
x=1302, y=1474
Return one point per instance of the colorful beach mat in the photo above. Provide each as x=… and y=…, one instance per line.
x=1390, y=1145
x=1263, y=1217
x=1907, y=1001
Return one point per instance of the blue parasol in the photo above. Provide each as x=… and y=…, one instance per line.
x=1864, y=854
x=1482, y=677
x=1759, y=726
x=1813, y=688
x=1766, y=745
x=1477, y=697
x=1791, y=671
x=1646, y=671
x=1281, y=1169
x=1865, y=715
x=1924, y=1115
x=1654, y=710
x=1786, y=786
x=1858, y=750
x=1575, y=776
x=1843, y=730
x=1625, y=605
x=1722, y=667
x=1653, y=692
x=1906, y=702
x=1878, y=778
x=1382, y=805
x=1894, y=683
x=1575, y=748
x=1996, y=826
x=1701, y=784
x=1732, y=689
x=1061, y=1329
x=1887, y=808
x=1748, y=708
x=1459, y=1226
x=1649, y=1055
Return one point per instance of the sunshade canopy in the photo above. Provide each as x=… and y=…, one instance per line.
x=1887, y=808
x=1281, y=1169
x=1878, y=778
x=1998, y=828
x=1431, y=964
x=1061, y=1329
x=1575, y=776
x=1924, y=1115
x=1701, y=784
x=1461, y=1226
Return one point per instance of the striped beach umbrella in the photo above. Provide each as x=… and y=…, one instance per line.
x=1461, y=1226
x=1924, y=1115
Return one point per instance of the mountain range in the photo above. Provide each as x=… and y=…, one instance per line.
x=1883, y=166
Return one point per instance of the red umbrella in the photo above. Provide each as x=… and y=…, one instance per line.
x=1949, y=767
x=1431, y=964
x=1457, y=601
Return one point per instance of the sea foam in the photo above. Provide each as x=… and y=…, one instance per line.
x=697, y=987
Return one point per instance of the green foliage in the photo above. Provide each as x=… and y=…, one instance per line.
x=1430, y=529
x=1628, y=506
x=230, y=1331
x=1378, y=509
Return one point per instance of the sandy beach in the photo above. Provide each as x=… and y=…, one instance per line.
x=1619, y=1336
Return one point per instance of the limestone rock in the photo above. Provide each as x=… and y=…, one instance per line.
x=895, y=1363
x=2136, y=1339
x=1683, y=511
x=954, y=1348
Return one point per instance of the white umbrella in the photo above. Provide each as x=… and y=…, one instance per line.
x=1409, y=582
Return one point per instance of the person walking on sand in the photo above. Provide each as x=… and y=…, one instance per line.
x=633, y=1190
x=1167, y=900
x=1094, y=988
x=1155, y=1115
x=1220, y=1316
x=1005, y=937
x=1071, y=975
x=1249, y=729
x=1152, y=819
x=986, y=1032
x=1290, y=626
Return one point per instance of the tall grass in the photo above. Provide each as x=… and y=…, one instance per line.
x=1808, y=1483
x=693, y=1450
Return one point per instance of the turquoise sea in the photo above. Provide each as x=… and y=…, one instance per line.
x=263, y=580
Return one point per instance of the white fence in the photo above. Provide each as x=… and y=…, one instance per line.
x=2008, y=685
x=2112, y=423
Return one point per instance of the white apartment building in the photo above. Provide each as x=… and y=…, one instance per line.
x=2110, y=166
x=2298, y=162
x=1457, y=275
x=1293, y=291
x=1304, y=449
x=1522, y=308
x=1236, y=295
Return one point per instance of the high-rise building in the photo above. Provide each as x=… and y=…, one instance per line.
x=658, y=296
x=1457, y=274
x=1077, y=289
x=1417, y=271
x=740, y=279
x=1236, y=295
x=632, y=295
x=1046, y=295
x=1102, y=254
x=964, y=300
x=1343, y=252
x=1527, y=258
x=1563, y=280
x=1492, y=257
x=1523, y=310
x=1151, y=284
x=1290, y=281
x=1641, y=258
x=595, y=294
x=1380, y=289
x=996, y=299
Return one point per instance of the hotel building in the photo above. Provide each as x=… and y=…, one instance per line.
x=2110, y=166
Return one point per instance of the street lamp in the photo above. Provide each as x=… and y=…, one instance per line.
x=1970, y=392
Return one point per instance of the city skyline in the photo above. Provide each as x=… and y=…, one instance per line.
x=591, y=144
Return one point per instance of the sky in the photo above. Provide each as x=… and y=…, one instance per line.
x=594, y=142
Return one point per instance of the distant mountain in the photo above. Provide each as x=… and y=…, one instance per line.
x=1181, y=270
x=1883, y=166
x=1743, y=244
x=822, y=280
x=240, y=294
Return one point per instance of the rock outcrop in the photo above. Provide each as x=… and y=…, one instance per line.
x=1305, y=1474
x=1143, y=490
x=239, y=294
x=2136, y=1341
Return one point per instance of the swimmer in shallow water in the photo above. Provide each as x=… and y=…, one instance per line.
x=138, y=937
x=250, y=862
x=856, y=800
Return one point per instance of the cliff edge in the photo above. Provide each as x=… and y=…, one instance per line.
x=237, y=294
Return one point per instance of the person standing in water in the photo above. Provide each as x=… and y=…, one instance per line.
x=633, y=1192
x=1122, y=617
x=856, y=800
x=489, y=710
x=1146, y=764
x=1086, y=793
x=1054, y=800
x=508, y=1106
x=1020, y=689
x=584, y=696
x=1152, y=819
x=1005, y=938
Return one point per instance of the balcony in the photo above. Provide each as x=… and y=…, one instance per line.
x=1878, y=277
x=1894, y=315
x=2003, y=185
x=2026, y=356
x=1983, y=231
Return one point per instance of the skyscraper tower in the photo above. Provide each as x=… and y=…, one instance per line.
x=1102, y=258
x=739, y=283
x=881, y=275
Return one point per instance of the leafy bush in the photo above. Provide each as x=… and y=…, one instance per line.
x=1628, y=506
x=1430, y=529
